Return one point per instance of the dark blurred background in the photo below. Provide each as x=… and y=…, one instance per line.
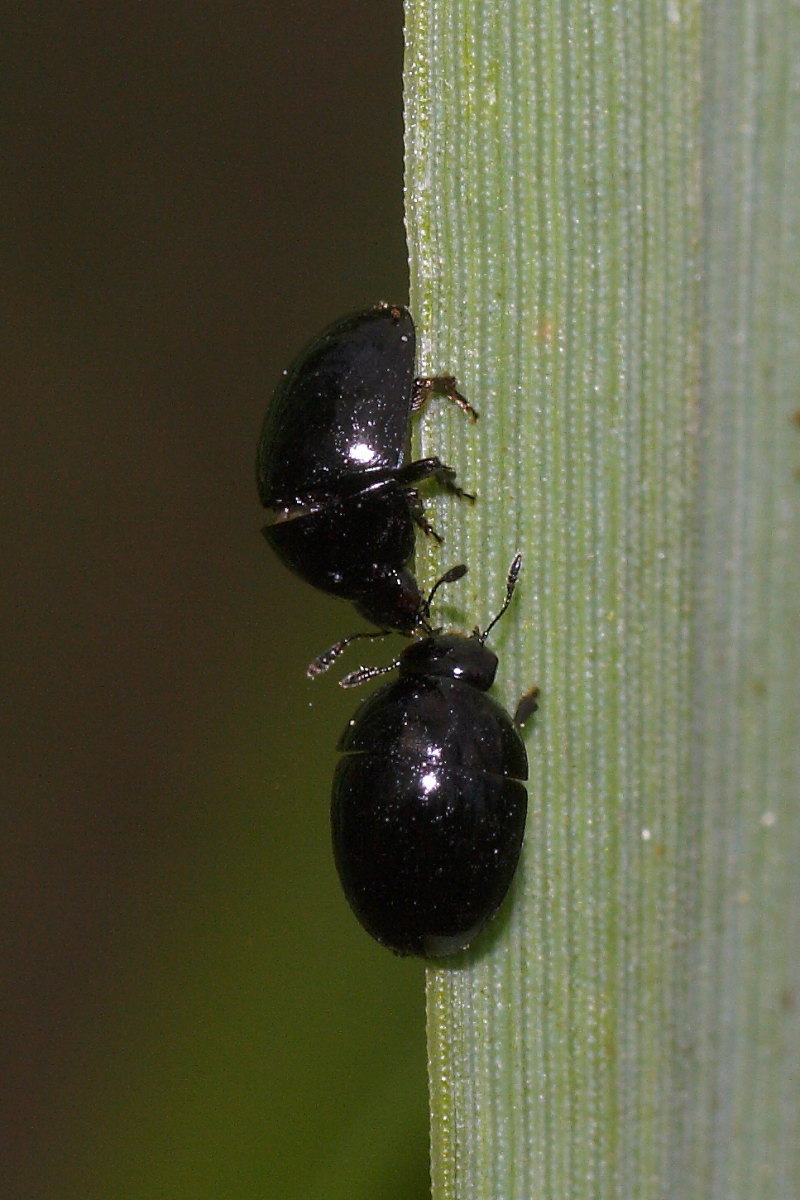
x=189, y=192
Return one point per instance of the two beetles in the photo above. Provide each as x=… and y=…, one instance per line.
x=429, y=801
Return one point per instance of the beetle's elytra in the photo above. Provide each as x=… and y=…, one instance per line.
x=429, y=801
x=333, y=465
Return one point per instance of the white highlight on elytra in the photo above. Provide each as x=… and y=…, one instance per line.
x=430, y=782
x=361, y=453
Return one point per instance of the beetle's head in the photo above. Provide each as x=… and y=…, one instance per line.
x=455, y=655
x=452, y=655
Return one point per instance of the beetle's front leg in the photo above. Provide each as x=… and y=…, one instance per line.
x=442, y=385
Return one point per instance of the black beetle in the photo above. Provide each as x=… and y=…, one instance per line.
x=429, y=801
x=333, y=470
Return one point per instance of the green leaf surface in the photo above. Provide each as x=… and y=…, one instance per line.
x=603, y=235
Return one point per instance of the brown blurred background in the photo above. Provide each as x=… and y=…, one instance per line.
x=189, y=191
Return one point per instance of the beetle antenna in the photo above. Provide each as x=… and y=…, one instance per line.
x=511, y=583
x=328, y=657
x=362, y=674
x=450, y=576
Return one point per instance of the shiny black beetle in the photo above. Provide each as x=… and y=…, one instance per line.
x=333, y=470
x=429, y=800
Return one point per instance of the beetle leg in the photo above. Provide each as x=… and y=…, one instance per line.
x=526, y=708
x=418, y=513
x=425, y=468
x=447, y=478
x=443, y=385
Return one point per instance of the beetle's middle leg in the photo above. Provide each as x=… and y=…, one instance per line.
x=429, y=468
